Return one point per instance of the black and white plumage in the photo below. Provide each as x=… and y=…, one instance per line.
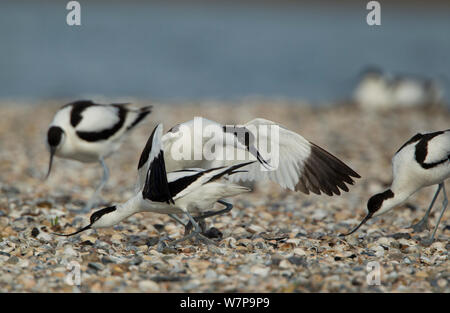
x=424, y=160
x=303, y=166
x=90, y=132
x=187, y=191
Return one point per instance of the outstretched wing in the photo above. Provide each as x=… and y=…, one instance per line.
x=297, y=164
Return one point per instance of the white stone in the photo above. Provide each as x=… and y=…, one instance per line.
x=149, y=286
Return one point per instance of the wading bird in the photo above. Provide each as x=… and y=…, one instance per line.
x=424, y=160
x=90, y=132
x=188, y=191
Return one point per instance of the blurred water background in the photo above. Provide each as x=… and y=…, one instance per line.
x=177, y=51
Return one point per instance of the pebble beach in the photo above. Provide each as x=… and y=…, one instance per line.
x=273, y=240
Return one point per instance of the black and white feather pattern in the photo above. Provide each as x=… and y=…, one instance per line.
x=159, y=186
x=303, y=166
x=430, y=149
x=95, y=122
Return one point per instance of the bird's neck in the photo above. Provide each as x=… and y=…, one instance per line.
x=400, y=196
x=126, y=209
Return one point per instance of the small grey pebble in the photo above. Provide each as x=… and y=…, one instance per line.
x=107, y=260
x=401, y=236
x=159, y=279
x=317, y=235
x=136, y=261
x=13, y=260
x=213, y=233
x=152, y=241
x=298, y=260
x=275, y=261
x=300, y=235
x=10, y=190
x=96, y=266
x=368, y=253
x=5, y=254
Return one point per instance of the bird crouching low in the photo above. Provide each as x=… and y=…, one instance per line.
x=424, y=160
x=188, y=192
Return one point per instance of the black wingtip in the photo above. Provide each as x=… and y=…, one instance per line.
x=143, y=112
x=323, y=172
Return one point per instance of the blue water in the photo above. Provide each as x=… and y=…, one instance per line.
x=203, y=51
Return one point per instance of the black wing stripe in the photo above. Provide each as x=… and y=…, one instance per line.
x=143, y=112
x=182, y=183
x=422, y=150
x=413, y=139
x=156, y=187
x=146, y=152
x=77, y=108
x=106, y=133
x=227, y=171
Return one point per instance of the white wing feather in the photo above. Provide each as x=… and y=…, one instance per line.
x=97, y=118
x=293, y=151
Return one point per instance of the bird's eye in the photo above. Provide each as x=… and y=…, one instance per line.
x=94, y=218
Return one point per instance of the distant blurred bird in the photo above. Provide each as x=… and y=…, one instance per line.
x=373, y=90
x=90, y=132
x=188, y=191
x=410, y=91
x=379, y=91
x=424, y=160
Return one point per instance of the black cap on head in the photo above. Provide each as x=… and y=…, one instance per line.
x=373, y=205
x=94, y=217
x=54, y=136
x=97, y=214
x=375, y=202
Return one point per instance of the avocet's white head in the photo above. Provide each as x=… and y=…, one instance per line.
x=55, y=140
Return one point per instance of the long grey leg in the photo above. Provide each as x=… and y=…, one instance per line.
x=228, y=207
x=197, y=232
x=96, y=194
x=161, y=243
x=176, y=218
x=444, y=206
x=423, y=223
